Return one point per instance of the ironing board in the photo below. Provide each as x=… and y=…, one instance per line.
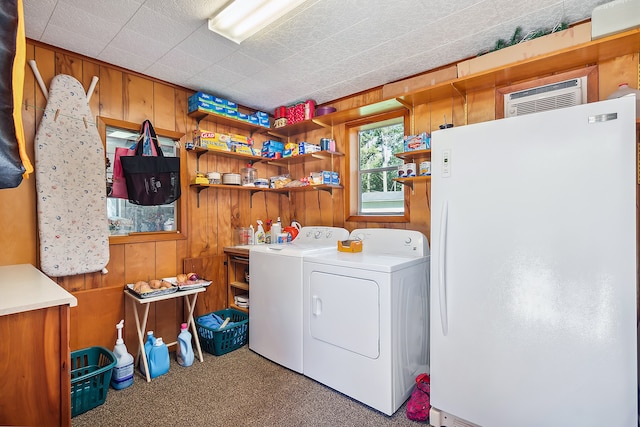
x=70, y=184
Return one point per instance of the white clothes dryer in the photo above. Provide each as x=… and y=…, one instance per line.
x=366, y=330
x=275, y=315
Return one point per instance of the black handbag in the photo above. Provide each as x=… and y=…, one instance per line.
x=151, y=180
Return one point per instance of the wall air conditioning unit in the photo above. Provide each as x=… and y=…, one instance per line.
x=548, y=97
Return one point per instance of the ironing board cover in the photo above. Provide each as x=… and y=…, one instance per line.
x=70, y=184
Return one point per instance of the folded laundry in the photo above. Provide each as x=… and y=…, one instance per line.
x=213, y=321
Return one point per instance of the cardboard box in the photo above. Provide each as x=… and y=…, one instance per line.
x=306, y=148
x=272, y=149
x=212, y=140
x=200, y=96
x=412, y=84
x=421, y=141
x=290, y=149
x=542, y=45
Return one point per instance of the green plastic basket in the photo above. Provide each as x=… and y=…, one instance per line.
x=222, y=341
x=90, y=377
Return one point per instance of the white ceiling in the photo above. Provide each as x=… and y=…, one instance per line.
x=323, y=50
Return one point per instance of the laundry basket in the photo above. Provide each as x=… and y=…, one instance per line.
x=90, y=377
x=227, y=339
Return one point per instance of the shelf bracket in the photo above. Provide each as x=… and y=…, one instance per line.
x=464, y=97
x=199, y=189
x=409, y=108
x=251, y=193
x=327, y=189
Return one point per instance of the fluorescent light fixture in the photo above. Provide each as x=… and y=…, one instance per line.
x=238, y=20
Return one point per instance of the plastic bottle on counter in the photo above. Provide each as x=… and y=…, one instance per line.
x=158, y=359
x=147, y=348
x=625, y=90
x=122, y=374
x=184, y=353
x=276, y=230
x=252, y=235
x=259, y=236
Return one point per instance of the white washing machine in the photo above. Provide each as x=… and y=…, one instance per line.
x=275, y=315
x=366, y=331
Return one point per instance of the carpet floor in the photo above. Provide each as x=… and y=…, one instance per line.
x=240, y=388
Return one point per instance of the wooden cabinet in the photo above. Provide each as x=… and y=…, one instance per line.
x=237, y=275
x=34, y=356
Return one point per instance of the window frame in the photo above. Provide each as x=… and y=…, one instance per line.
x=181, y=206
x=352, y=188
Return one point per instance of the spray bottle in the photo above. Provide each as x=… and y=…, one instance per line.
x=122, y=374
x=259, y=236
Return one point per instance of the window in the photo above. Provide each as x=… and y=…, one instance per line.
x=126, y=218
x=373, y=191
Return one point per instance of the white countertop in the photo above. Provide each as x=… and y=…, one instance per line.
x=23, y=287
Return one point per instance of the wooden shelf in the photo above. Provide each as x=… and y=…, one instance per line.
x=240, y=285
x=411, y=180
x=235, y=307
x=416, y=154
x=228, y=121
x=305, y=126
x=322, y=187
x=336, y=118
x=581, y=55
x=339, y=117
x=247, y=157
x=285, y=161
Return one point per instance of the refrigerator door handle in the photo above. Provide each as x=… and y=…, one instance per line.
x=441, y=268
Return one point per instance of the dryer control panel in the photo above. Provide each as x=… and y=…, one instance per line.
x=392, y=241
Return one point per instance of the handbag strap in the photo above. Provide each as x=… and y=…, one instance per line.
x=147, y=131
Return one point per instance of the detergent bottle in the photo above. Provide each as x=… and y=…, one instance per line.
x=147, y=348
x=259, y=237
x=276, y=230
x=184, y=353
x=158, y=359
x=122, y=374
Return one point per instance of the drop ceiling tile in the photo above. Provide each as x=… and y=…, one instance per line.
x=241, y=64
x=116, y=12
x=141, y=45
x=64, y=37
x=161, y=27
x=88, y=28
x=215, y=76
x=207, y=45
x=175, y=75
x=38, y=13
x=117, y=56
x=318, y=22
x=182, y=60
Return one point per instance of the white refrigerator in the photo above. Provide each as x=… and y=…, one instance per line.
x=533, y=270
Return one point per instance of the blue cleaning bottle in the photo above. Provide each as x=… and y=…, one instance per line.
x=122, y=373
x=147, y=348
x=158, y=359
x=184, y=353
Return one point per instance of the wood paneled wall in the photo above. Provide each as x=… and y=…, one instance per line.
x=211, y=220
